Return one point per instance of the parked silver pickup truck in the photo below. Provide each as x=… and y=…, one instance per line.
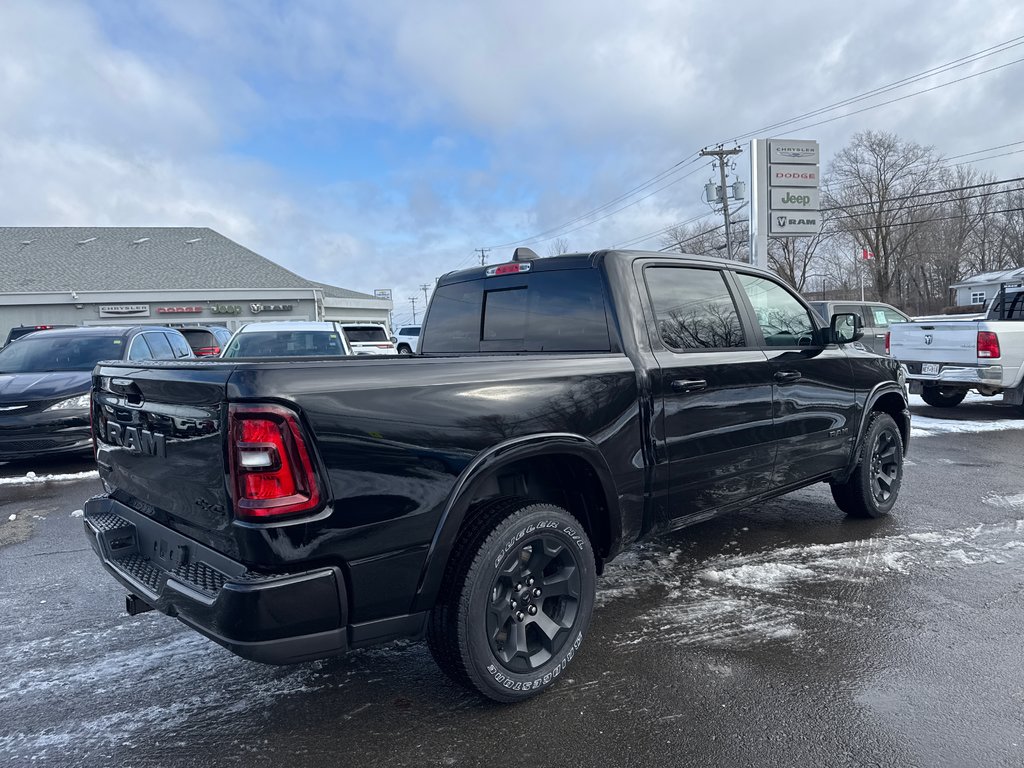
x=944, y=359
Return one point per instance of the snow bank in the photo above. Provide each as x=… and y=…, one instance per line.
x=32, y=477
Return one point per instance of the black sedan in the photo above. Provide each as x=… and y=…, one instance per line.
x=45, y=378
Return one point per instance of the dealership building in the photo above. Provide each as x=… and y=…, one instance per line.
x=158, y=276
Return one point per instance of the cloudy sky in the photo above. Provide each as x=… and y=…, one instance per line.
x=376, y=144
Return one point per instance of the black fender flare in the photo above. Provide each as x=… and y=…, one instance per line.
x=479, y=470
x=877, y=392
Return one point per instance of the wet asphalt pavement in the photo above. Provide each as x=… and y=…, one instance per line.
x=782, y=635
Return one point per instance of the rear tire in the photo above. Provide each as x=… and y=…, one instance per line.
x=943, y=397
x=872, y=489
x=493, y=629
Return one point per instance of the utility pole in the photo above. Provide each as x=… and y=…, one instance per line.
x=483, y=254
x=425, y=287
x=412, y=300
x=721, y=154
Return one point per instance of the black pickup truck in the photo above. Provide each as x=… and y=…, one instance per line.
x=560, y=409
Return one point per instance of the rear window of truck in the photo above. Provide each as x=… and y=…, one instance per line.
x=561, y=311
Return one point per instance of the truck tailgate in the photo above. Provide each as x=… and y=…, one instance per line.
x=159, y=444
x=954, y=341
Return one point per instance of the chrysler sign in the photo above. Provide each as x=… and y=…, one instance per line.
x=124, y=310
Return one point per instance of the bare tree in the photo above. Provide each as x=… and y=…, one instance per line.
x=701, y=237
x=871, y=189
x=558, y=246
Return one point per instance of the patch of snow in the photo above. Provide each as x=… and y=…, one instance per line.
x=12, y=518
x=78, y=513
x=741, y=600
x=32, y=477
x=926, y=426
x=1010, y=501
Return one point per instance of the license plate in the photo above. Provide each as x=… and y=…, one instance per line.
x=930, y=368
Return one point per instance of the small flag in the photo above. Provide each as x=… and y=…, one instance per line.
x=866, y=254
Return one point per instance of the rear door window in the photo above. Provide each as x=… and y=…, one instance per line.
x=160, y=346
x=693, y=308
x=179, y=346
x=139, y=349
x=559, y=311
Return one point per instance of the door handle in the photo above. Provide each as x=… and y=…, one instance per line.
x=787, y=376
x=689, y=385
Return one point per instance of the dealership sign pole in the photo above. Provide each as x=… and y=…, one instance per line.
x=786, y=199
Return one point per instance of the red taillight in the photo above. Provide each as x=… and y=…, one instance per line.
x=207, y=351
x=271, y=470
x=385, y=346
x=988, y=344
x=887, y=343
x=508, y=269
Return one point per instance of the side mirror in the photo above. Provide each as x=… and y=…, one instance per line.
x=846, y=327
x=394, y=339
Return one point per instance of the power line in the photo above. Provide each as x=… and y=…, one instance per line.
x=932, y=193
x=908, y=95
x=938, y=218
x=636, y=240
x=939, y=69
x=855, y=215
x=678, y=166
x=617, y=210
x=557, y=231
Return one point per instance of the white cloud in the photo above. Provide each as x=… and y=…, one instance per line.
x=132, y=114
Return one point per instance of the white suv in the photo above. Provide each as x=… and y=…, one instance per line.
x=288, y=338
x=407, y=339
x=369, y=339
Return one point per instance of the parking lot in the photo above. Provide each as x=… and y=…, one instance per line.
x=782, y=635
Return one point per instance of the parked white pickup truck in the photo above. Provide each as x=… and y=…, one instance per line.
x=944, y=359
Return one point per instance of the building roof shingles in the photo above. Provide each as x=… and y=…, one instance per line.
x=44, y=259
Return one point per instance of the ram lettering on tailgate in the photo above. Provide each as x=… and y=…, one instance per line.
x=137, y=440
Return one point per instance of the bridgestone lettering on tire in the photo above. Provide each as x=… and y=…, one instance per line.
x=516, y=600
x=872, y=489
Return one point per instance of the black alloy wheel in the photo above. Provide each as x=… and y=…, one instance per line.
x=885, y=464
x=516, y=599
x=872, y=488
x=535, y=598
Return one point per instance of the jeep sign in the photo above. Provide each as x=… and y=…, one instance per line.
x=794, y=199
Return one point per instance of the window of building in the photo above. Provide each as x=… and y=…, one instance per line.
x=978, y=297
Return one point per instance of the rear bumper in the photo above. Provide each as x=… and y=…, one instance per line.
x=271, y=618
x=954, y=374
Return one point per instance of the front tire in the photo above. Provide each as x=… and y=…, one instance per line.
x=943, y=397
x=404, y=349
x=516, y=600
x=872, y=489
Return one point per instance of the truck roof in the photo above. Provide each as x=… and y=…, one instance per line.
x=588, y=261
